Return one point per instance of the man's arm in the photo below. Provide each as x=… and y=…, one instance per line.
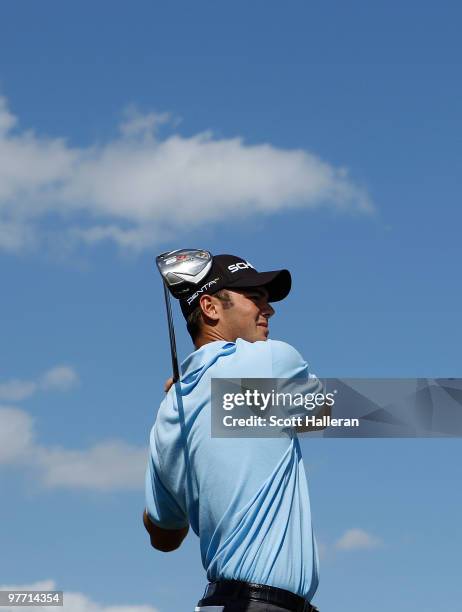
x=326, y=411
x=292, y=369
x=166, y=507
x=164, y=540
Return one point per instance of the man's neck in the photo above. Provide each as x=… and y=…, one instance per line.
x=211, y=335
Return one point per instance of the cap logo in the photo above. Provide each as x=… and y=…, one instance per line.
x=240, y=265
x=202, y=289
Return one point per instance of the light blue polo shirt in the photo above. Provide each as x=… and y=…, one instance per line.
x=246, y=498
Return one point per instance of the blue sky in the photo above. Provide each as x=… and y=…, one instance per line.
x=321, y=137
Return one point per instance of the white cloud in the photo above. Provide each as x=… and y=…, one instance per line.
x=109, y=465
x=16, y=390
x=16, y=435
x=72, y=601
x=7, y=119
x=137, y=124
x=40, y=585
x=139, y=188
x=59, y=378
x=356, y=538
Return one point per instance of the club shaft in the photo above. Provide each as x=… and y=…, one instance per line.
x=171, y=331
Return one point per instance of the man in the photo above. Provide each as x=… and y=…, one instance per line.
x=247, y=499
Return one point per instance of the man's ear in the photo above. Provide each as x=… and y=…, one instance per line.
x=209, y=307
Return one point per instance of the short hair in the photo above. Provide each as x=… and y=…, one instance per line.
x=194, y=320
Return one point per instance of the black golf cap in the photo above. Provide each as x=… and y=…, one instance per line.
x=231, y=272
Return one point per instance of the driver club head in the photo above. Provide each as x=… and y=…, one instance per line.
x=182, y=268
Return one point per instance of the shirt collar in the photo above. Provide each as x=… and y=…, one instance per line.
x=196, y=360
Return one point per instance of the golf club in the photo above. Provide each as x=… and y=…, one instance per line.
x=180, y=271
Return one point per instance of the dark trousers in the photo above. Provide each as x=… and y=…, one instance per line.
x=242, y=606
x=237, y=596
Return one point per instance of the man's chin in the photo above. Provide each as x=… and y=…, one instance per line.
x=263, y=333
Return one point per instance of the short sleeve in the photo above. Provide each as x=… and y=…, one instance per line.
x=294, y=377
x=161, y=506
x=287, y=361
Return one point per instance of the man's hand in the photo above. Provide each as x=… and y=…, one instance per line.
x=168, y=384
x=164, y=540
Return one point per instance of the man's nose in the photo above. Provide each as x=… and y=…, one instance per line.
x=267, y=309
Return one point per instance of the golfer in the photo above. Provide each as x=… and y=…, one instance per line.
x=246, y=498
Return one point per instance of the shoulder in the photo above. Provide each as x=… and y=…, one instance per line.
x=287, y=361
x=284, y=350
